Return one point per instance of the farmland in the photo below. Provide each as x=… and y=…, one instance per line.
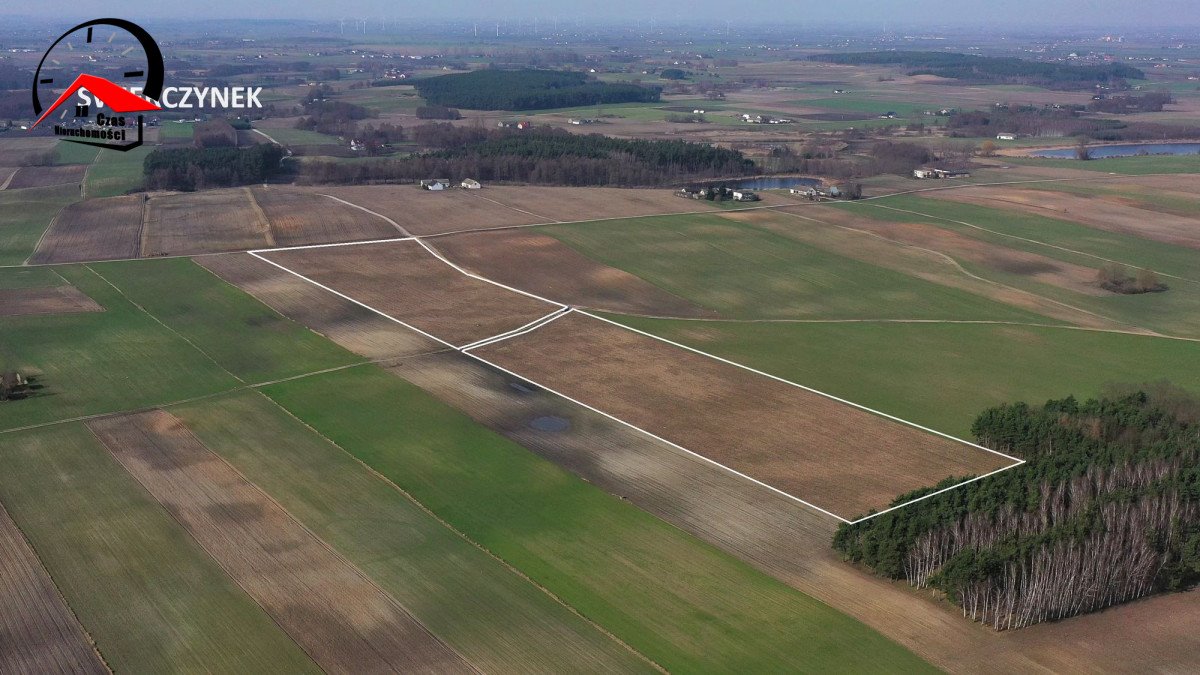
x=297, y=217
x=123, y=346
x=486, y=612
x=213, y=220
x=244, y=337
x=404, y=281
x=1173, y=312
x=679, y=602
x=326, y=605
x=741, y=271
x=115, y=173
x=94, y=229
x=848, y=461
x=323, y=420
x=45, y=176
x=142, y=588
x=25, y=215
x=959, y=369
x=45, y=300
x=50, y=639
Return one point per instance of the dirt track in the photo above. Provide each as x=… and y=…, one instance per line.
x=827, y=453
x=404, y=281
x=334, y=612
x=38, y=632
x=45, y=300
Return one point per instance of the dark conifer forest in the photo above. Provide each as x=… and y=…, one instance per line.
x=527, y=89
x=1105, y=510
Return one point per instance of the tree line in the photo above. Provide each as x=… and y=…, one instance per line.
x=210, y=167
x=544, y=156
x=993, y=69
x=1105, y=510
x=527, y=89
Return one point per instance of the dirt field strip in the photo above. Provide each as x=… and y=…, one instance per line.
x=544, y=265
x=8, y=173
x=424, y=291
x=38, y=631
x=334, y=612
x=96, y=229
x=45, y=300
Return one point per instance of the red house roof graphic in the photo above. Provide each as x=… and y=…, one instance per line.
x=120, y=100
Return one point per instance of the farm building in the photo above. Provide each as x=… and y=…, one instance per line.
x=744, y=196
x=12, y=385
x=941, y=173
x=435, y=183
x=471, y=184
x=1006, y=137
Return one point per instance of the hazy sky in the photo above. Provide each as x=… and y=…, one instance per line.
x=999, y=13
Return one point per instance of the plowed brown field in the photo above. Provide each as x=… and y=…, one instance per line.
x=204, y=222
x=45, y=300
x=543, y=265
x=94, y=229
x=38, y=632
x=42, y=176
x=300, y=217
x=827, y=453
x=407, y=283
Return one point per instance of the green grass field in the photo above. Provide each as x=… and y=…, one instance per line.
x=743, y=271
x=244, y=336
x=116, y=173
x=66, y=152
x=1176, y=311
x=496, y=619
x=25, y=215
x=150, y=597
x=176, y=130
x=940, y=375
x=29, y=277
x=684, y=604
x=99, y=362
x=1130, y=166
x=868, y=105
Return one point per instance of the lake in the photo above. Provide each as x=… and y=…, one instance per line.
x=1103, y=151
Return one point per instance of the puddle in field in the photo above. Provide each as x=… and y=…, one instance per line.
x=522, y=387
x=550, y=423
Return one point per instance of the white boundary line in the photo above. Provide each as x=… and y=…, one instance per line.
x=564, y=310
x=659, y=438
x=346, y=297
x=800, y=386
x=521, y=330
x=342, y=243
